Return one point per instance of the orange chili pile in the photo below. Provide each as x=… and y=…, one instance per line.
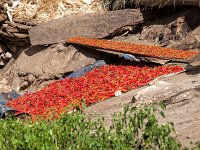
x=139, y=49
x=98, y=85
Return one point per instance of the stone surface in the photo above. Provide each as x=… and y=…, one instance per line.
x=192, y=41
x=40, y=64
x=93, y=25
x=160, y=34
x=7, y=56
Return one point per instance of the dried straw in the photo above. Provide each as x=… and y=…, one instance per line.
x=46, y=10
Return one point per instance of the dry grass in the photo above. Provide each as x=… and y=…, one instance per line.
x=45, y=10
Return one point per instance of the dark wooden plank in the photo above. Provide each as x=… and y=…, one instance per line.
x=93, y=25
x=168, y=2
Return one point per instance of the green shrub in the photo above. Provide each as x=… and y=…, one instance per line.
x=135, y=128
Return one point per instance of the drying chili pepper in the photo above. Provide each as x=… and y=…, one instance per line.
x=139, y=49
x=98, y=85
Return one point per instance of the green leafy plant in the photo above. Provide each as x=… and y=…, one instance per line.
x=134, y=128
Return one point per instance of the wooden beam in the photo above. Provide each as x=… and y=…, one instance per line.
x=168, y=2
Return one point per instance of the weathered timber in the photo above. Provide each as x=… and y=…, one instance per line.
x=116, y=4
x=168, y=2
x=14, y=31
x=89, y=25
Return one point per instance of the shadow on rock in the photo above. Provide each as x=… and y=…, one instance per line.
x=34, y=49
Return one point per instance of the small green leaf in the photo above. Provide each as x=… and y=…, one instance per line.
x=163, y=106
x=84, y=104
x=162, y=114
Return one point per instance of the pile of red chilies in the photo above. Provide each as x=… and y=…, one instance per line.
x=138, y=49
x=98, y=85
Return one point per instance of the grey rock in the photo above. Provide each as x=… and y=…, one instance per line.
x=40, y=64
x=93, y=25
x=31, y=77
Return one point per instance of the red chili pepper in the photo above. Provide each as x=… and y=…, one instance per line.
x=99, y=84
x=145, y=50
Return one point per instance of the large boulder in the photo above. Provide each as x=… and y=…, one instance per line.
x=40, y=64
x=94, y=25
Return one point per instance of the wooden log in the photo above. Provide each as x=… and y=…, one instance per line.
x=21, y=35
x=15, y=32
x=3, y=17
x=168, y=2
x=94, y=25
x=21, y=27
